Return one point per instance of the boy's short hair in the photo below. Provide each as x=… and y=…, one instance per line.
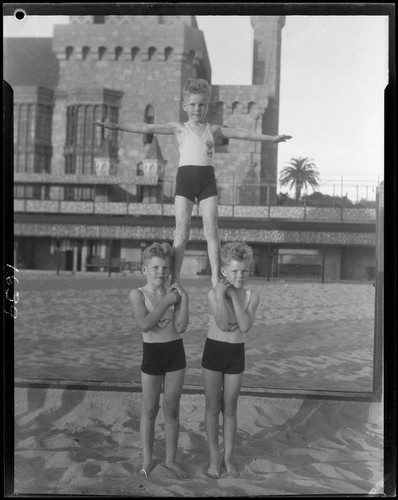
x=161, y=250
x=237, y=250
x=196, y=86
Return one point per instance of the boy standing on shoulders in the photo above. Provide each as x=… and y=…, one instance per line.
x=162, y=314
x=195, y=175
x=232, y=312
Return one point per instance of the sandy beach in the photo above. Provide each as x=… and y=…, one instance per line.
x=78, y=402
x=88, y=443
x=306, y=335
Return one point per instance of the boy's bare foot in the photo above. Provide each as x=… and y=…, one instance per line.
x=231, y=469
x=213, y=471
x=178, y=471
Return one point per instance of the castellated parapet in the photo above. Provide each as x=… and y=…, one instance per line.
x=240, y=107
x=143, y=21
x=145, y=60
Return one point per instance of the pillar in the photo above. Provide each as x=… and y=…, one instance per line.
x=75, y=250
x=84, y=255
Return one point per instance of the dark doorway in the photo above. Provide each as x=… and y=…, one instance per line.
x=69, y=260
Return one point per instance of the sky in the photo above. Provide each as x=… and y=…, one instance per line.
x=333, y=73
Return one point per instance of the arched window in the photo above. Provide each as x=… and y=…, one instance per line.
x=68, y=52
x=167, y=52
x=85, y=52
x=149, y=117
x=151, y=52
x=191, y=56
x=252, y=108
x=118, y=52
x=236, y=107
x=134, y=52
x=101, y=53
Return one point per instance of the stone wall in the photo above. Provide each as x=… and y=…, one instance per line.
x=166, y=233
x=231, y=211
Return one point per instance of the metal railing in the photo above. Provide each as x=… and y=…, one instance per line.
x=244, y=199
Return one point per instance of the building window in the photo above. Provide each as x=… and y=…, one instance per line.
x=151, y=52
x=149, y=117
x=22, y=116
x=191, y=56
x=85, y=52
x=86, y=193
x=78, y=193
x=68, y=52
x=83, y=139
x=118, y=52
x=69, y=193
x=32, y=137
x=70, y=167
x=134, y=52
x=19, y=191
x=297, y=262
x=31, y=191
x=252, y=108
x=101, y=53
x=43, y=123
x=220, y=144
x=167, y=53
x=236, y=107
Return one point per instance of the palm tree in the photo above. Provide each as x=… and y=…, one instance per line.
x=301, y=172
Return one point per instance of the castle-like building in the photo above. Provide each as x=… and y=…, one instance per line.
x=132, y=69
x=82, y=193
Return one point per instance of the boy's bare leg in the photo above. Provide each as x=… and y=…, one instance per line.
x=171, y=409
x=151, y=387
x=232, y=385
x=212, y=384
x=183, y=210
x=209, y=209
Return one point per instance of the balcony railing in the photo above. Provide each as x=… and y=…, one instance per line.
x=264, y=195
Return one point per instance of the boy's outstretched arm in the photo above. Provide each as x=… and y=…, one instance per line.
x=141, y=128
x=233, y=133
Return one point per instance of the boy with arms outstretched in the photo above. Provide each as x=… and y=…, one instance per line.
x=162, y=314
x=195, y=174
x=232, y=312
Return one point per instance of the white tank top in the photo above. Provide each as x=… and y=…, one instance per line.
x=234, y=335
x=195, y=149
x=164, y=331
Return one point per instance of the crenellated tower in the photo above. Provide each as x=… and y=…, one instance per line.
x=267, y=37
x=267, y=34
x=124, y=69
x=253, y=107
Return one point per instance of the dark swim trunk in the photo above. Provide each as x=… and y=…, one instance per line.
x=224, y=357
x=159, y=358
x=195, y=181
